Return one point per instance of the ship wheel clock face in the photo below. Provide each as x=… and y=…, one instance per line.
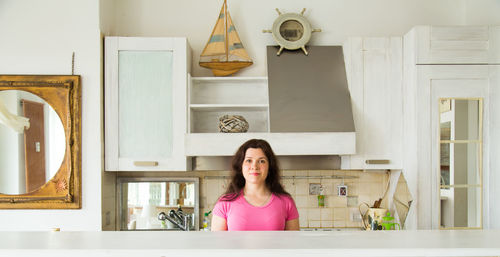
x=291, y=31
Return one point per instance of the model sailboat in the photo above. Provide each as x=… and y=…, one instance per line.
x=224, y=52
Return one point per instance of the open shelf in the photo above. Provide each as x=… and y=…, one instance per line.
x=213, y=97
x=225, y=90
x=228, y=107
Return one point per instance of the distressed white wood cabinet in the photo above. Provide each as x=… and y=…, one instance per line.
x=212, y=97
x=374, y=71
x=145, y=103
x=442, y=62
x=455, y=44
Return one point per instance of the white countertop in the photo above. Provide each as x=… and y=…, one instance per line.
x=276, y=243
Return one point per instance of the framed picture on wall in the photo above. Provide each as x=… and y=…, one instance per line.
x=342, y=190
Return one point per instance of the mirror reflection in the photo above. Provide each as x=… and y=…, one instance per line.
x=464, y=167
x=402, y=199
x=459, y=119
x=31, y=149
x=142, y=201
x=460, y=162
x=460, y=207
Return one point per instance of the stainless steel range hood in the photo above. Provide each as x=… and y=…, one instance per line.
x=309, y=93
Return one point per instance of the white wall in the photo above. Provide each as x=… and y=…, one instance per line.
x=481, y=12
x=38, y=37
x=338, y=19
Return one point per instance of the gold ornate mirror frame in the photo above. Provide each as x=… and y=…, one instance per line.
x=63, y=93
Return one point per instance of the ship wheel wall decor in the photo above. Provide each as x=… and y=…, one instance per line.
x=291, y=31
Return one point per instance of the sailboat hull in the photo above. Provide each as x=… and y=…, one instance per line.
x=225, y=68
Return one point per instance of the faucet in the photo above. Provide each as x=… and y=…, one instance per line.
x=177, y=218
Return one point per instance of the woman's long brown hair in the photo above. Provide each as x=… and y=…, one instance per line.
x=237, y=183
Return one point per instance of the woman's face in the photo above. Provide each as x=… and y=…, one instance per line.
x=255, y=166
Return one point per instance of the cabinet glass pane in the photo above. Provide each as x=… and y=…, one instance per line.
x=459, y=119
x=145, y=104
x=459, y=164
x=461, y=207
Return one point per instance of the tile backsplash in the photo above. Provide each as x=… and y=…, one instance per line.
x=337, y=212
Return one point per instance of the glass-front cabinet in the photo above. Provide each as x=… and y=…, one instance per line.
x=451, y=76
x=459, y=108
x=145, y=103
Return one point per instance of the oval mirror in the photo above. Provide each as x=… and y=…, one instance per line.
x=30, y=153
x=40, y=142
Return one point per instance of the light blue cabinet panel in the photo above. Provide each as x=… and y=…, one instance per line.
x=145, y=104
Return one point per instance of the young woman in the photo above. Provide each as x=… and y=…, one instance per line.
x=255, y=198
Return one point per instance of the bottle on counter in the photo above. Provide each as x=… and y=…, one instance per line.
x=321, y=197
x=206, y=221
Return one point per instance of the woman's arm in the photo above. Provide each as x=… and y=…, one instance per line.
x=292, y=224
x=218, y=223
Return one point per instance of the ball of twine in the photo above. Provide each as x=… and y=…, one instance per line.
x=232, y=124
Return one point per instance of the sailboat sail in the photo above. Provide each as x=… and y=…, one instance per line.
x=224, y=52
x=235, y=47
x=216, y=46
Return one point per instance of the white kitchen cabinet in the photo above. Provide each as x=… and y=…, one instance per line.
x=421, y=126
x=212, y=97
x=374, y=72
x=145, y=103
x=445, y=62
x=455, y=44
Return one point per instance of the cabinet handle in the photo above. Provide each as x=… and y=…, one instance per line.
x=145, y=163
x=377, y=161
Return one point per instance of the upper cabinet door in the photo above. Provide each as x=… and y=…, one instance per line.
x=145, y=103
x=374, y=67
x=454, y=44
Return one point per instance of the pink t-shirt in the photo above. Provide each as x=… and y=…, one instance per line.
x=240, y=215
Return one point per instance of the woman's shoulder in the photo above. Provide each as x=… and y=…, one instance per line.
x=288, y=204
x=284, y=197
